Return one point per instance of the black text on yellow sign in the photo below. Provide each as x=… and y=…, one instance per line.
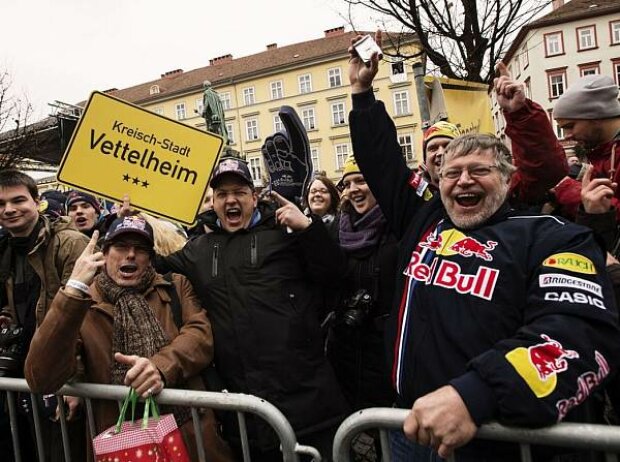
x=118, y=148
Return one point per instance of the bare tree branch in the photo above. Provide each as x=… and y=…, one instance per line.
x=462, y=38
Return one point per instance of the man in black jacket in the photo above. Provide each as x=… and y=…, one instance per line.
x=499, y=315
x=260, y=274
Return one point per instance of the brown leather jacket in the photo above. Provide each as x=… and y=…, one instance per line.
x=83, y=327
x=58, y=246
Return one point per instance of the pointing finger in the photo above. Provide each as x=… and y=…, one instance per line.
x=587, y=176
x=126, y=359
x=93, y=242
x=279, y=199
x=502, y=70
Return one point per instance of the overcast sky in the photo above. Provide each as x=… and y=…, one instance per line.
x=64, y=49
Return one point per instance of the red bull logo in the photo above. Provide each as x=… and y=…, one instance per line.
x=470, y=246
x=453, y=242
x=540, y=364
x=449, y=275
x=548, y=357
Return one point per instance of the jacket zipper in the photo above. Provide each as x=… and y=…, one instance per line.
x=216, y=248
x=253, y=251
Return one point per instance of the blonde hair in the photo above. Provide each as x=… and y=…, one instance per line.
x=168, y=238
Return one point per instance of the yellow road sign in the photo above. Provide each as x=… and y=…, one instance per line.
x=118, y=148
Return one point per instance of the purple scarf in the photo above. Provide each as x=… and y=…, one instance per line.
x=363, y=233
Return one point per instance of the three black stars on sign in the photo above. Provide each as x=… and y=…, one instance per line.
x=135, y=180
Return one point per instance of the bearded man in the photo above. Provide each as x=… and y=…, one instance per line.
x=498, y=315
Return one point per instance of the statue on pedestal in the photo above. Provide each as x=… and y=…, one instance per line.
x=213, y=112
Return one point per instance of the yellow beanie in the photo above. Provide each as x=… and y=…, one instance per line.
x=350, y=166
x=441, y=128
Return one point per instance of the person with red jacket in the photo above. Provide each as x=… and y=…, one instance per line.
x=589, y=113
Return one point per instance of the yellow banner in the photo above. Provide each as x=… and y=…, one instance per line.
x=118, y=148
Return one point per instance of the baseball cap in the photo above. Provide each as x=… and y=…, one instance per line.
x=231, y=166
x=131, y=224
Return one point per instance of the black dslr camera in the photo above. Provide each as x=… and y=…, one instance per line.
x=11, y=350
x=356, y=308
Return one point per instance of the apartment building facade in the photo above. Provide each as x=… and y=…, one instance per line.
x=310, y=76
x=578, y=38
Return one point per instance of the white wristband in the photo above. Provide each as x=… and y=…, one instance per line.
x=79, y=286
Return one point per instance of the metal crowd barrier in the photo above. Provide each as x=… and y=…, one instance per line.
x=602, y=438
x=239, y=403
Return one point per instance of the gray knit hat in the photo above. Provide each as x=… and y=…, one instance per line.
x=591, y=97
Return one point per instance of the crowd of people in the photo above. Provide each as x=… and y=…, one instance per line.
x=480, y=287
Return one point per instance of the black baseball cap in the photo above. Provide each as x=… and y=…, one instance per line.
x=131, y=224
x=231, y=166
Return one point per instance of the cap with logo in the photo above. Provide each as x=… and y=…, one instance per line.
x=132, y=224
x=231, y=167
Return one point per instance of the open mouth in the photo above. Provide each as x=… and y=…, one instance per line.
x=128, y=269
x=358, y=199
x=468, y=199
x=81, y=221
x=233, y=214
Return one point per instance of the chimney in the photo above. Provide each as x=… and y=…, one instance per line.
x=221, y=59
x=172, y=73
x=272, y=46
x=335, y=31
x=555, y=4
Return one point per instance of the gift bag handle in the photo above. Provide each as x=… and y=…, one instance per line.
x=150, y=406
x=132, y=397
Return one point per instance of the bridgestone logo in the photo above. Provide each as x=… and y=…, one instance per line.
x=562, y=280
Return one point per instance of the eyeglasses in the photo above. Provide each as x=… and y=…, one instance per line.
x=319, y=191
x=474, y=171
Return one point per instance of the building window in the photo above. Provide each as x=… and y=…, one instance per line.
x=180, y=110
x=338, y=114
x=305, y=83
x=199, y=106
x=255, y=169
x=314, y=155
x=589, y=69
x=401, y=103
x=278, y=126
x=342, y=152
x=586, y=38
x=557, y=83
x=525, y=57
x=559, y=133
x=335, y=78
x=231, y=132
x=615, y=63
x=159, y=110
x=308, y=119
x=225, y=99
x=398, y=68
x=277, y=91
x=248, y=96
x=154, y=90
x=528, y=88
x=554, y=44
x=614, y=32
x=517, y=67
x=251, y=129
x=406, y=144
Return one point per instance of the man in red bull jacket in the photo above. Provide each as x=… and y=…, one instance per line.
x=499, y=315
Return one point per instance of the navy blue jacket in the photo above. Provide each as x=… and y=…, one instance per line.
x=518, y=314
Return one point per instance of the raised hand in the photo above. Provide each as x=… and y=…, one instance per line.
x=361, y=74
x=143, y=376
x=596, y=194
x=289, y=214
x=510, y=94
x=87, y=265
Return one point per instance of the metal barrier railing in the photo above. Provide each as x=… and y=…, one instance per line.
x=602, y=438
x=238, y=403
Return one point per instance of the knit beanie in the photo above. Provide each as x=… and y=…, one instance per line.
x=441, y=128
x=80, y=196
x=591, y=97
